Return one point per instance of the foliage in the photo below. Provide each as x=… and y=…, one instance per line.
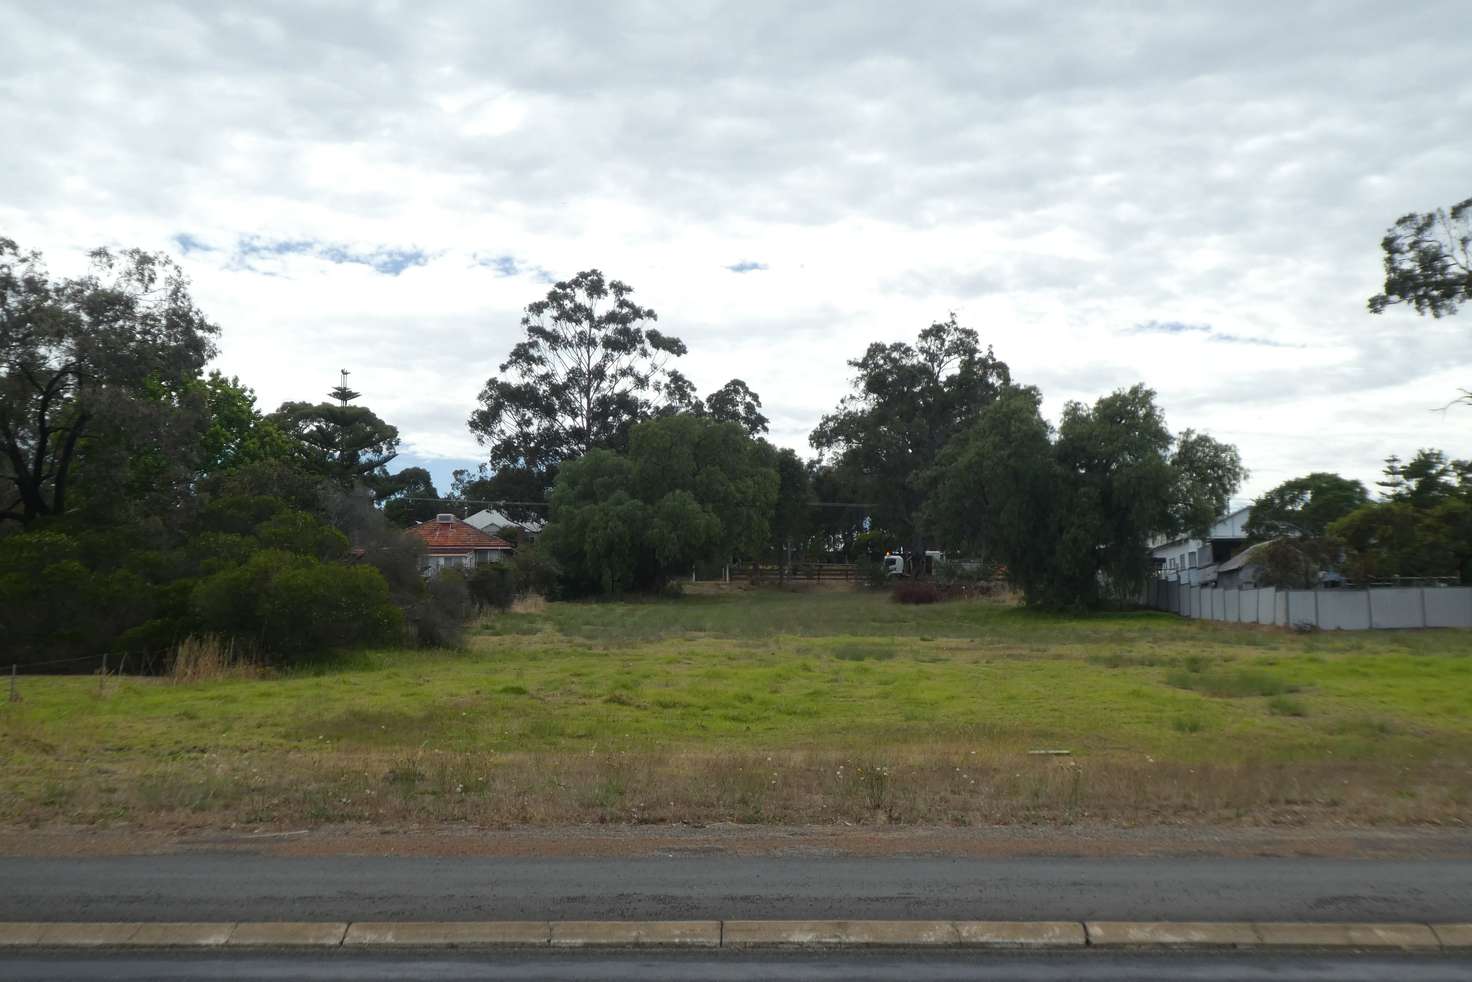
x=537, y=573
x=503, y=489
x=735, y=402
x=1428, y=261
x=236, y=434
x=344, y=444
x=1304, y=507
x=908, y=402
x=1070, y=516
x=579, y=380
x=1422, y=528
x=1427, y=479
x=1294, y=563
x=409, y=497
x=791, y=514
x=689, y=489
x=493, y=586
x=97, y=381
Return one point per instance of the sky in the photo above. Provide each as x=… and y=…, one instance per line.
x=1189, y=195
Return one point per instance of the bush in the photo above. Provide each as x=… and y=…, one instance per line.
x=916, y=592
x=535, y=570
x=437, y=615
x=872, y=572
x=493, y=586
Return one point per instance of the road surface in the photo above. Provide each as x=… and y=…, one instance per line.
x=343, y=966
x=238, y=887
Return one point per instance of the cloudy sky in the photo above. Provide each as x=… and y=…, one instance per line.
x=1189, y=195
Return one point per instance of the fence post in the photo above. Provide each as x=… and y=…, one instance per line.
x=102, y=674
x=14, y=697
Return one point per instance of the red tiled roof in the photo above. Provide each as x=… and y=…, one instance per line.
x=455, y=535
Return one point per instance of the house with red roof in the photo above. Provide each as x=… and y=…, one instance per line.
x=451, y=542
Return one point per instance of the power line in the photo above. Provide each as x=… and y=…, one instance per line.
x=544, y=504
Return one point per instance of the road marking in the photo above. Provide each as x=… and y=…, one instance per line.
x=739, y=934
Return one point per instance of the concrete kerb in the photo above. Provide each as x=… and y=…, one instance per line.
x=741, y=934
x=1173, y=934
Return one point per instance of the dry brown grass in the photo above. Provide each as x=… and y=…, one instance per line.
x=532, y=603
x=209, y=658
x=931, y=785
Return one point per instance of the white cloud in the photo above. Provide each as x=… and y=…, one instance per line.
x=1058, y=176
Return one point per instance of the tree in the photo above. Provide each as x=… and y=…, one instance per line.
x=1428, y=261
x=506, y=489
x=908, y=402
x=98, y=366
x=1428, y=478
x=1304, y=507
x=995, y=490
x=792, y=510
x=580, y=379
x=1071, y=516
x=689, y=489
x=345, y=444
x=236, y=434
x=411, y=497
x=734, y=402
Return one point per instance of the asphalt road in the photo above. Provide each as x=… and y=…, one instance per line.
x=342, y=966
x=244, y=887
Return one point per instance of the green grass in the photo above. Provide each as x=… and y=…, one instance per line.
x=807, y=678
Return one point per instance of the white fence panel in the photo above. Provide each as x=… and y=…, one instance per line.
x=1344, y=610
x=1448, y=606
x=1396, y=607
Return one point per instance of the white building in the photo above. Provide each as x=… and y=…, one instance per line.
x=1193, y=561
x=495, y=522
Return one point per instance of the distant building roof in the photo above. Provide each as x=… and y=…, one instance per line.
x=1246, y=557
x=489, y=518
x=446, y=533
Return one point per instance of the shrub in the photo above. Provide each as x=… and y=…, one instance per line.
x=535, y=570
x=916, y=592
x=438, y=614
x=871, y=572
x=493, y=586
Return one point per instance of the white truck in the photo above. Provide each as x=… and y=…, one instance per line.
x=894, y=563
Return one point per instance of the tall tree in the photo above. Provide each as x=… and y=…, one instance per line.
x=1426, y=479
x=585, y=373
x=792, y=512
x=506, y=489
x=908, y=402
x=1428, y=261
x=236, y=434
x=345, y=443
x=1304, y=507
x=1071, y=517
x=689, y=489
x=410, y=497
x=735, y=402
x=97, y=366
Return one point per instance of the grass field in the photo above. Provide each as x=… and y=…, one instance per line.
x=776, y=707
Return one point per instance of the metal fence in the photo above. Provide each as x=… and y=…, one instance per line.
x=1339, y=610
